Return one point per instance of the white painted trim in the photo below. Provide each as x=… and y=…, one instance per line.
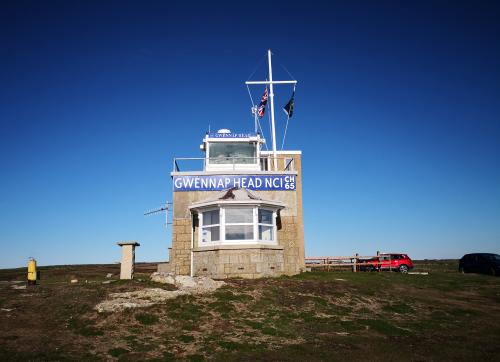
x=237, y=172
x=225, y=167
x=267, y=153
x=227, y=139
x=222, y=203
x=239, y=247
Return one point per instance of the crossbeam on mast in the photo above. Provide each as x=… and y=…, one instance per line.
x=271, y=82
x=274, y=82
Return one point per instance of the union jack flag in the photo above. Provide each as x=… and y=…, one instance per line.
x=262, y=105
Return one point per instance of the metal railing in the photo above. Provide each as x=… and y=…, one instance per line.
x=263, y=163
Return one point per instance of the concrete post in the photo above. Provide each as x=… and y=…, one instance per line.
x=128, y=259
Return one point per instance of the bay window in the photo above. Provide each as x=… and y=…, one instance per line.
x=237, y=225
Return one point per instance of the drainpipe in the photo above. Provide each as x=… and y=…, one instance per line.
x=191, y=272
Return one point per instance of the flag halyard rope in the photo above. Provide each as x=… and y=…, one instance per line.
x=284, y=134
x=286, y=70
x=250, y=94
x=287, y=118
x=262, y=132
x=257, y=66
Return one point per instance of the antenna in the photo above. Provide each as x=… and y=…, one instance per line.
x=165, y=208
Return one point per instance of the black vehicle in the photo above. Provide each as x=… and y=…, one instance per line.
x=483, y=263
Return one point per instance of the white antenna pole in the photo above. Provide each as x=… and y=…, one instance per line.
x=255, y=116
x=273, y=130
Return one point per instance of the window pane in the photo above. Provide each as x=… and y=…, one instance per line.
x=211, y=217
x=265, y=217
x=210, y=234
x=225, y=152
x=265, y=233
x=239, y=232
x=239, y=215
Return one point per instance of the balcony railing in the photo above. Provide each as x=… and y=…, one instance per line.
x=263, y=163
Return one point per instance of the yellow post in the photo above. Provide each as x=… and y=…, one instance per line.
x=32, y=271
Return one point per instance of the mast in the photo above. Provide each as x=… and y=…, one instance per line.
x=271, y=91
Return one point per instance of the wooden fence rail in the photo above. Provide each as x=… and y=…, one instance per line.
x=328, y=262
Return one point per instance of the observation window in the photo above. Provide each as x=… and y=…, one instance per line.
x=236, y=225
x=232, y=153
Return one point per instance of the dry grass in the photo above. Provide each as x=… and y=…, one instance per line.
x=314, y=316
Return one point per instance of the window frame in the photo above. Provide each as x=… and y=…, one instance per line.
x=210, y=158
x=256, y=240
x=272, y=225
x=224, y=210
x=202, y=226
x=289, y=164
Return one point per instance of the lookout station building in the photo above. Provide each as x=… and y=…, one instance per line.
x=237, y=212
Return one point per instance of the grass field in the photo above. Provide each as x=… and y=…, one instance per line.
x=443, y=316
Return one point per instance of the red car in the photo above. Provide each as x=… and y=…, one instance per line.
x=396, y=262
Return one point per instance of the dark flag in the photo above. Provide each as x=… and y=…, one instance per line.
x=262, y=105
x=288, y=108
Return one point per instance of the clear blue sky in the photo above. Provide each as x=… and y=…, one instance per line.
x=397, y=112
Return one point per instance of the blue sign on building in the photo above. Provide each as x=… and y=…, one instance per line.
x=223, y=182
x=231, y=135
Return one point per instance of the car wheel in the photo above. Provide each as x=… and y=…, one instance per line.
x=403, y=269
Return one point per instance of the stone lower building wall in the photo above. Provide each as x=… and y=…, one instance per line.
x=288, y=238
x=180, y=253
x=222, y=263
